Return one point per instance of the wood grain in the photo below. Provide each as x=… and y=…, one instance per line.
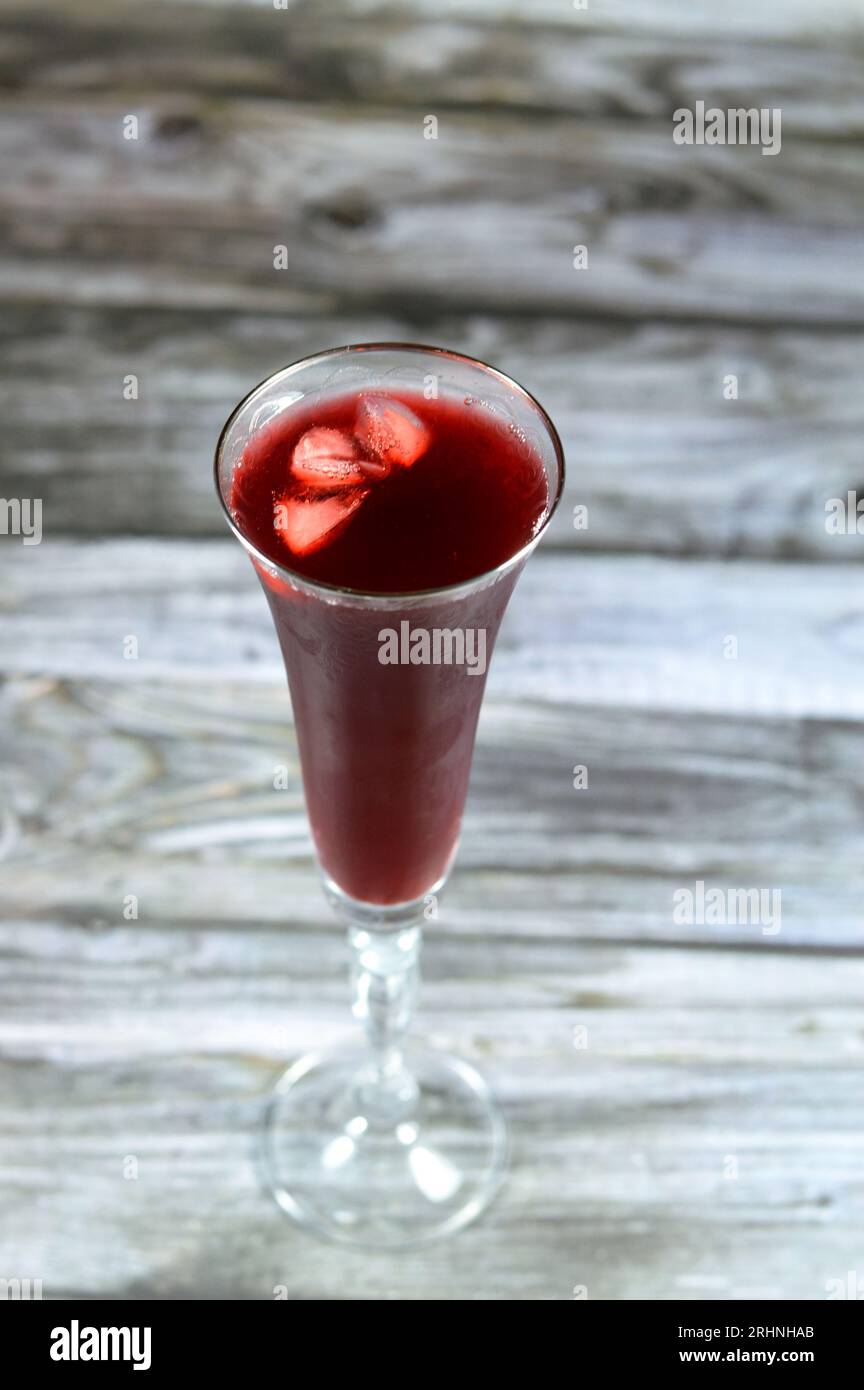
x=706, y=1142
x=166, y=791
x=638, y=632
x=195, y=219
x=660, y=459
x=539, y=58
x=621, y=1147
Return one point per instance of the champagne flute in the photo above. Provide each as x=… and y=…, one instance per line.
x=385, y=1143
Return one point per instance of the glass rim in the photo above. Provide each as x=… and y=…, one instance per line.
x=303, y=581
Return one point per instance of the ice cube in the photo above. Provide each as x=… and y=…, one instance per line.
x=327, y=459
x=308, y=524
x=374, y=468
x=390, y=430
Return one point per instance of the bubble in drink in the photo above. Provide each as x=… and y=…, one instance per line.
x=390, y=430
x=327, y=459
x=307, y=524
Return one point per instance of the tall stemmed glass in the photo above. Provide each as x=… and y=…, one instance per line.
x=384, y=1143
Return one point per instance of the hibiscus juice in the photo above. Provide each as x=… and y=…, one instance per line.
x=380, y=499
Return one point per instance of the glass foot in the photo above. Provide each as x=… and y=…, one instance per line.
x=383, y=1160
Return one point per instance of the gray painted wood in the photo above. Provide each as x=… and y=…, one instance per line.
x=194, y=217
x=165, y=789
x=707, y=1141
x=639, y=632
x=658, y=455
x=621, y=1148
x=548, y=57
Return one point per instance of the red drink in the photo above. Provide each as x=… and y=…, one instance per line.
x=472, y=498
x=393, y=495
x=388, y=495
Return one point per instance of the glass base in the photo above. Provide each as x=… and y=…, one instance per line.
x=383, y=1159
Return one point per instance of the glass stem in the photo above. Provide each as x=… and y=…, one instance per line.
x=385, y=974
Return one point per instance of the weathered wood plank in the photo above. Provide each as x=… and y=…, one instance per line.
x=771, y=19
x=622, y=1148
x=512, y=995
x=630, y=632
x=604, y=892
x=536, y=58
x=156, y=1038
x=167, y=792
x=360, y=204
x=662, y=461
x=774, y=19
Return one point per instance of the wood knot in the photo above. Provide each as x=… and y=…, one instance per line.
x=179, y=125
x=347, y=216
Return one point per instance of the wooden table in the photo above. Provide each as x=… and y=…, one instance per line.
x=686, y=1100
